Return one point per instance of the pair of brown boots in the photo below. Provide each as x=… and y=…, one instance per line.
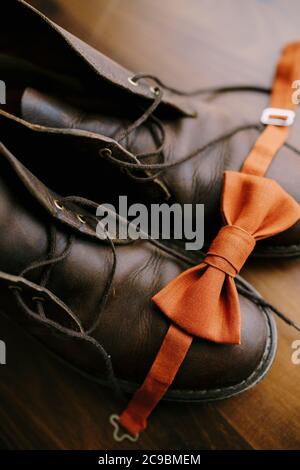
x=77, y=131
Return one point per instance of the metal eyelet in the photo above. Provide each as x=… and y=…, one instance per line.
x=105, y=152
x=81, y=218
x=38, y=299
x=58, y=205
x=114, y=421
x=15, y=288
x=132, y=81
x=155, y=90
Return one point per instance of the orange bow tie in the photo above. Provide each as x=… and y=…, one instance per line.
x=254, y=208
x=203, y=301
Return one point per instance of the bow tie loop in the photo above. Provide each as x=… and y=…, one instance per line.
x=230, y=249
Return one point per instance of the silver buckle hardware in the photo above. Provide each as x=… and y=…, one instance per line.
x=114, y=421
x=278, y=116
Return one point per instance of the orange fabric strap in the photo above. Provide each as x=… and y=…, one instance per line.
x=273, y=137
x=203, y=301
x=162, y=373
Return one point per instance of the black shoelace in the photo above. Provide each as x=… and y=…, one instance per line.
x=156, y=169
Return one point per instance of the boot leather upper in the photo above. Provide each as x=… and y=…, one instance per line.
x=131, y=336
x=99, y=99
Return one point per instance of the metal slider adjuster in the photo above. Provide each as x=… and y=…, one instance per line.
x=278, y=116
x=114, y=421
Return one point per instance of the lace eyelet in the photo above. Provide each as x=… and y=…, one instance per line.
x=58, y=205
x=105, y=152
x=155, y=90
x=81, y=218
x=132, y=81
x=15, y=288
x=38, y=299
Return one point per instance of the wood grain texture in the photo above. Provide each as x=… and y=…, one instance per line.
x=188, y=43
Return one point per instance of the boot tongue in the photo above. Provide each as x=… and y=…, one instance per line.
x=39, y=108
x=49, y=111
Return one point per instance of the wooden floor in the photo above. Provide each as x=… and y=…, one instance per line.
x=187, y=43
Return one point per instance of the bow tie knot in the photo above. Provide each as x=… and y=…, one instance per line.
x=230, y=249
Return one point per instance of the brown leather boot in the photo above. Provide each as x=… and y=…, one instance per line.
x=89, y=300
x=180, y=145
